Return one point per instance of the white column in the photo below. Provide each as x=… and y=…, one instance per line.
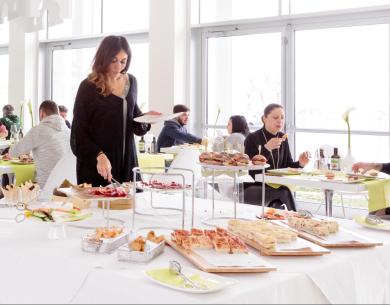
x=23, y=67
x=16, y=66
x=169, y=47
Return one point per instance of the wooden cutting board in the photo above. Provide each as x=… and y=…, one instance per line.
x=311, y=250
x=355, y=240
x=202, y=264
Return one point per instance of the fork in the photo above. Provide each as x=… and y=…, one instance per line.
x=115, y=182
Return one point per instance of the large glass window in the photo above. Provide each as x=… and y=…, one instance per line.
x=3, y=79
x=86, y=20
x=244, y=75
x=71, y=66
x=338, y=68
x=4, y=33
x=222, y=10
x=307, y=6
x=125, y=15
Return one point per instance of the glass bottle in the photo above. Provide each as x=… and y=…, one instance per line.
x=335, y=160
x=141, y=145
x=153, y=147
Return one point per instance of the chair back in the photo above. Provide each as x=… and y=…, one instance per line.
x=64, y=169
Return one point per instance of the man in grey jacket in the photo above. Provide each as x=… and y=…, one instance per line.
x=49, y=141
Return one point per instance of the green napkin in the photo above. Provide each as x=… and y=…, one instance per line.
x=23, y=172
x=378, y=194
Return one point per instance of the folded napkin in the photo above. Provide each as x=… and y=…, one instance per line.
x=378, y=194
x=23, y=172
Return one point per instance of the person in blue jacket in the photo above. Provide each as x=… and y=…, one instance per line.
x=175, y=132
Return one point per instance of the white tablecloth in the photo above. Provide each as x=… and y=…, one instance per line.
x=35, y=269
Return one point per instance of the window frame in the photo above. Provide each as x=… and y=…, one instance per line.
x=287, y=25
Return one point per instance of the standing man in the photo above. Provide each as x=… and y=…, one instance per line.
x=174, y=131
x=64, y=113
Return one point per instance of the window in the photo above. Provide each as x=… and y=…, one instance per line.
x=244, y=75
x=4, y=33
x=139, y=67
x=222, y=10
x=337, y=68
x=70, y=67
x=307, y=6
x=3, y=79
x=125, y=15
x=86, y=20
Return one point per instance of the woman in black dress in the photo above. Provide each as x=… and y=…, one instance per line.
x=103, y=128
x=270, y=142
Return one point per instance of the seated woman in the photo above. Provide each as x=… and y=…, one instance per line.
x=270, y=142
x=238, y=130
x=364, y=167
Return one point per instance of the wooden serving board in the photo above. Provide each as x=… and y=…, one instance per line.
x=311, y=250
x=202, y=264
x=355, y=240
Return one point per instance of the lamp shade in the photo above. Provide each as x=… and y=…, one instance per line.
x=31, y=12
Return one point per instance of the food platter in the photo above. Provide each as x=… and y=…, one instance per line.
x=284, y=171
x=234, y=168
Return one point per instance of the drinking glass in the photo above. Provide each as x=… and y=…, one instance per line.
x=14, y=132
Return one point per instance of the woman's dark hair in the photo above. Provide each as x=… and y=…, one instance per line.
x=269, y=108
x=108, y=49
x=239, y=124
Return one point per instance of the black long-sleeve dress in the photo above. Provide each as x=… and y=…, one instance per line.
x=98, y=125
x=276, y=159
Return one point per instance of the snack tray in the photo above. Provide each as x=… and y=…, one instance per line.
x=125, y=254
x=234, y=168
x=104, y=245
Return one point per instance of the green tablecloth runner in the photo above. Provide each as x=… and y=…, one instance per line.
x=378, y=194
x=23, y=172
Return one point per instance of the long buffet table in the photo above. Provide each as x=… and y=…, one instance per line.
x=36, y=269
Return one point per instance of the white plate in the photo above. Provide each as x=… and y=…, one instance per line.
x=342, y=180
x=222, y=281
x=385, y=226
x=150, y=119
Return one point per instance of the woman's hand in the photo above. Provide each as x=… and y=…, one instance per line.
x=304, y=158
x=274, y=143
x=104, y=167
x=362, y=167
x=152, y=112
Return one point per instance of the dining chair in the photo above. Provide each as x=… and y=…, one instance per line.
x=64, y=169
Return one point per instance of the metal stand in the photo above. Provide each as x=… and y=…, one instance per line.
x=236, y=193
x=163, y=171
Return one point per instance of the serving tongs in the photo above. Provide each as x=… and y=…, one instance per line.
x=175, y=268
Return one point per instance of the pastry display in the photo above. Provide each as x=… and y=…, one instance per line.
x=229, y=159
x=265, y=233
x=315, y=226
x=259, y=160
x=139, y=244
x=106, y=233
x=27, y=192
x=220, y=240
